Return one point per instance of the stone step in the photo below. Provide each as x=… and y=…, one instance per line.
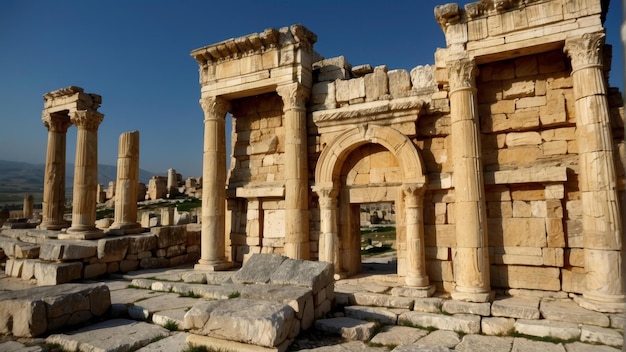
x=469, y=324
x=176, y=342
x=384, y=316
x=480, y=343
x=583, y=347
x=569, y=311
x=515, y=307
x=443, y=338
x=169, y=316
x=398, y=335
x=451, y=306
x=116, y=335
x=595, y=334
x=348, y=328
x=215, y=344
x=382, y=300
x=144, y=309
x=526, y=345
x=548, y=328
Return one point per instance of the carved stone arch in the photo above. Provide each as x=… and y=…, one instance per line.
x=332, y=157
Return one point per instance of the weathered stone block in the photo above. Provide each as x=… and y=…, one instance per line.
x=349, y=328
x=528, y=277
x=399, y=83
x=67, y=250
x=544, y=327
x=469, y=324
x=516, y=307
x=497, y=326
x=112, y=249
x=141, y=243
x=315, y=275
x=168, y=236
x=382, y=315
x=569, y=311
x=57, y=273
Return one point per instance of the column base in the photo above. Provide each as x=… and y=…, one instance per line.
x=414, y=292
x=417, y=282
x=53, y=225
x=81, y=233
x=478, y=297
x=616, y=306
x=212, y=266
x=118, y=229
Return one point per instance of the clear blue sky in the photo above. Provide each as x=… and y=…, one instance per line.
x=136, y=55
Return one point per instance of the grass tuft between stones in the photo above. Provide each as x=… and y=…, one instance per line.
x=171, y=325
x=200, y=348
x=234, y=295
x=190, y=294
x=551, y=339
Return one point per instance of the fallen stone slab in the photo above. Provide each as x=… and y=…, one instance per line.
x=176, y=342
x=583, y=347
x=199, y=314
x=348, y=328
x=143, y=309
x=304, y=273
x=381, y=300
x=444, y=338
x=569, y=311
x=595, y=334
x=215, y=344
x=116, y=335
x=298, y=298
x=267, y=324
x=543, y=328
x=469, y=324
x=516, y=307
x=398, y=335
x=452, y=306
x=258, y=269
x=480, y=343
x=380, y=314
x=33, y=311
x=526, y=345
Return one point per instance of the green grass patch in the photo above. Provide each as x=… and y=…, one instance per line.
x=189, y=204
x=171, y=325
x=190, y=294
x=551, y=339
x=234, y=295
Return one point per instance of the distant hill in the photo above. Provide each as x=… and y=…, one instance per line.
x=19, y=177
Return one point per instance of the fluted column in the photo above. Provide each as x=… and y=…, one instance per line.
x=296, y=173
x=27, y=209
x=416, y=259
x=213, y=241
x=85, y=176
x=601, y=222
x=53, y=205
x=329, y=240
x=471, y=258
x=125, y=218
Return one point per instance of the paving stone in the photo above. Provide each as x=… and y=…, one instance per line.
x=428, y=305
x=516, y=307
x=348, y=328
x=497, y=325
x=398, y=335
x=199, y=314
x=455, y=307
x=381, y=300
x=569, y=311
x=258, y=269
x=131, y=295
x=444, y=338
x=265, y=324
x=420, y=348
x=208, y=291
x=116, y=335
x=606, y=336
x=382, y=315
x=469, y=324
x=176, y=315
x=143, y=309
x=526, y=345
x=479, y=343
x=542, y=328
x=14, y=346
x=583, y=347
x=175, y=342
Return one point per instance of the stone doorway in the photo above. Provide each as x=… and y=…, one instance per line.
x=370, y=164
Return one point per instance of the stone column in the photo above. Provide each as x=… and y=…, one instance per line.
x=85, y=177
x=601, y=222
x=27, y=209
x=329, y=238
x=54, y=178
x=294, y=97
x=471, y=258
x=415, y=256
x=172, y=183
x=125, y=221
x=213, y=242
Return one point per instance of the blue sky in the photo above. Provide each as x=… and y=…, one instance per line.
x=136, y=55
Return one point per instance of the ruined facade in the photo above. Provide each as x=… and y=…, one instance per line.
x=503, y=160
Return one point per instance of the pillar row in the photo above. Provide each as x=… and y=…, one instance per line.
x=85, y=176
x=601, y=222
x=53, y=205
x=213, y=237
x=294, y=96
x=471, y=258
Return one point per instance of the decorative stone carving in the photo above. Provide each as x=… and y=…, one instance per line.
x=462, y=74
x=585, y=50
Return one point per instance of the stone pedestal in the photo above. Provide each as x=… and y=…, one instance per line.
x=213, y=237
x=601, y=222
x=53, y=205
x=471, y=257
x=85, y=177
x=296, y=175
x=126, y=184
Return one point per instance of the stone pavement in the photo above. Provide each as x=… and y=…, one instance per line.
x=148, y=314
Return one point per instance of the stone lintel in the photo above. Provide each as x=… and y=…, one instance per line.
x=260, y=192
x=528, y=175
x=70, y=99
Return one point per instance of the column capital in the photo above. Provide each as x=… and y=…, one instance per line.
x=215, y=107
x=462, y=74
x=327, y=196
x=294, y=96
x=585, y=50
x=412, y=193
x=85, y=119
x=56, y=122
